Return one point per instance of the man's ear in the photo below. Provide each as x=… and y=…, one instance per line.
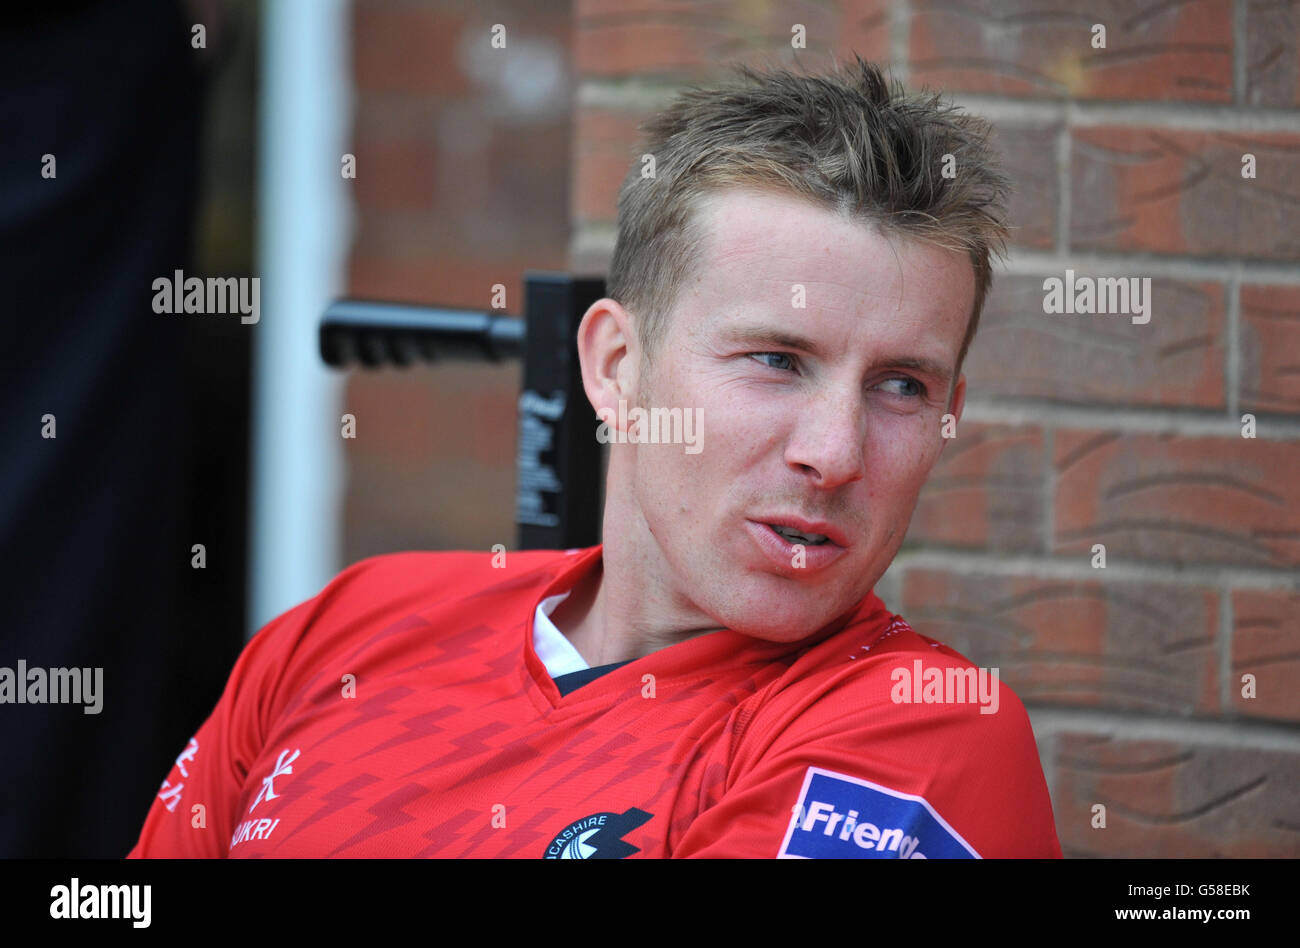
x=608, y=351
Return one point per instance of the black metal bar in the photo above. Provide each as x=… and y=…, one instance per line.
x=377, y=333
x=557, y=495
x=558, y=461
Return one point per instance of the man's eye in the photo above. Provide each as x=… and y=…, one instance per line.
x=789, y=360
x=911, y=387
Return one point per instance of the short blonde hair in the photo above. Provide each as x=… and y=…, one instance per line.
x=851, y=141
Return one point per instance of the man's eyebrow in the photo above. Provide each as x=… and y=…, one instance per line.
x=759, y=337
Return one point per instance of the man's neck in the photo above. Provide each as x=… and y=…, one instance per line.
x=578, y=616
x=597, y=620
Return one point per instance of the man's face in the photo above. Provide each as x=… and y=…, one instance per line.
x=829, y=413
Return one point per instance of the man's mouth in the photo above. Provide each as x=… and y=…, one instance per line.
x=794, y=544
x=795, y=536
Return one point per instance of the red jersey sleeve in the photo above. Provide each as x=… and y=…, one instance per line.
x=195, y=810
x=851, y=774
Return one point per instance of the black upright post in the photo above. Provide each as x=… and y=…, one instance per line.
x=557, y=496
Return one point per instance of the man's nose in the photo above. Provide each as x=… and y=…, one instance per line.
x=829, y=439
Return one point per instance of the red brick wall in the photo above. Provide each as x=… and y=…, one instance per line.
x=1084, y=429
x=462, y=183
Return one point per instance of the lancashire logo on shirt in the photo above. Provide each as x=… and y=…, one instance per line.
x=599, y=836
x=842, y=817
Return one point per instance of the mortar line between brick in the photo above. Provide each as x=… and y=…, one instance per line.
x=1225, y=649
x=1049, y=762
x=1232, y=348
x=599, y=236
x=1239, y=52
x=1063, y=205
x=1137, y=726
x=1186, y=116
x=900, y=27
x=653, y=93
x=1125, y=418
x=1077, y=568
x=1049, y=490
x=1022, y=260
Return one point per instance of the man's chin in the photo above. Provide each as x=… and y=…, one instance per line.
x=777, y=618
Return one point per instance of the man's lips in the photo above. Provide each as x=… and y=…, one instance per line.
x=834, y=535
x=792, y=558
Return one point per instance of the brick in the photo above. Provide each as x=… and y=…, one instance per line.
x=469, y=506
x=433, y=463
x=1154, y=50
x=1117, y=645
x=447, y=279
x=686, y=39
x=1169, y=191
x=1270, y=349
x=1029, y=160
x=640, y=38
x=1272, y=54
x=1174, y=360
x=414, y=416
x=863, y=28
x=1177, y=499
x=462, y=183
x=985, y=492
x=408, y=48
x=1266, y=644
x=1173, y=800
x=501, y=188
x=395, y=174
x=607, y=144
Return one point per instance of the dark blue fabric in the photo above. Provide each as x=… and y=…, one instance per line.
x=575, y=680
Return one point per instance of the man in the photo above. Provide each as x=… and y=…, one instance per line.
x=800, y=277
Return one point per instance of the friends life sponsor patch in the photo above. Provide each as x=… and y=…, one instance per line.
x=842, y=817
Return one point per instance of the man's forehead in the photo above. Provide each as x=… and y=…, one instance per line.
x=763, y=248
x=742, y=221
x=794, y=240
x=749, y=246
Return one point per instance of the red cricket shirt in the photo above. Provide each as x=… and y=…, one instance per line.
x=404, y=712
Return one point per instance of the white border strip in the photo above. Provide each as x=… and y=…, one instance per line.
x=303, y=236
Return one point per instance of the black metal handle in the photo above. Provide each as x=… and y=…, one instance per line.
x=376, y=333
x=558, y=487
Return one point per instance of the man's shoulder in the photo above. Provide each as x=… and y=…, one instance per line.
x=884, y=714
x=417, y=574
x=889, y=671
x=394, y=598
x=383, y=589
